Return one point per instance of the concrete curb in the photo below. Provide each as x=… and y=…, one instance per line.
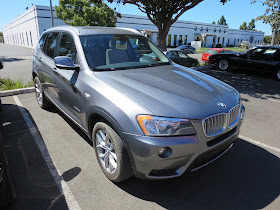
x=16, y=91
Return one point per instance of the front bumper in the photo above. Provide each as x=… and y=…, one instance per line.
x=189, y=153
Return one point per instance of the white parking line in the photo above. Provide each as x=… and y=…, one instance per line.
x=259, y=143
x=60, y=182
x=278, y=101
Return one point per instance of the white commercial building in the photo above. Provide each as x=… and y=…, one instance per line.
x=26, y=29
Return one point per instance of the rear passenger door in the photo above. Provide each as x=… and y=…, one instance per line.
x=45, y=56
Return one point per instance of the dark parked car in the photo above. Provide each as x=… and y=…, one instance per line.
x=7, y=191
x=145, y=115
x=264, y=58
x=187, y=49
x=179, y=57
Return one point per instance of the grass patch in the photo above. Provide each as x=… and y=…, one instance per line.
x=8, y=84
x=234, y=49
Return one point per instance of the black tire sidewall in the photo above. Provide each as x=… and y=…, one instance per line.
x=116, y=140
x=228, y=67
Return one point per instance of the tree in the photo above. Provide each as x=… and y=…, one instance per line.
x=251, y=25
x=222, y=21
x=84, y=13
x=267, y=39
x=162, y=13
x=271, y=15
x=243, y=26
x=213, y=22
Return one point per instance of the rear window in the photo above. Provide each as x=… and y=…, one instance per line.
x=211, y=51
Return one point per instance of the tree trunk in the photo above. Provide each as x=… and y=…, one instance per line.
x=162, y=43
x=273, y=38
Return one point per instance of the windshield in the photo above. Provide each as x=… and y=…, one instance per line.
x=116, y=51
x=211, y=52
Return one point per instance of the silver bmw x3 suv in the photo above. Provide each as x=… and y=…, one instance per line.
x=146, y=115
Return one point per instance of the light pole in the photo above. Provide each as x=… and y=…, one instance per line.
x=51, y=13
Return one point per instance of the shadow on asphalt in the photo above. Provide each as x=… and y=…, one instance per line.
x=258, y=85
x=10, y=59
x=34, y=184
x=246, y=177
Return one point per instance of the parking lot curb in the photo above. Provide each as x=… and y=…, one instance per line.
x=16, y=91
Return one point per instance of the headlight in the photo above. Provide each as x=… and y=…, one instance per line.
x=162, y=126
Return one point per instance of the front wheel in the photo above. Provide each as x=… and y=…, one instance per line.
x=111, y=153
x=223, y=65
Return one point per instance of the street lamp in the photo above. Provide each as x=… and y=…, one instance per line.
x=51, y=13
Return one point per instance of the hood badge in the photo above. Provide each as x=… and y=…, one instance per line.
x=222, y=105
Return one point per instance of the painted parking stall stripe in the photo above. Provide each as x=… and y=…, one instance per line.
x=60, y=182
x=259, y=143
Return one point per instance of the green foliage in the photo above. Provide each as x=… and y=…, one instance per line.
x=162, y=13
x=84, y=13
x=267, y=39
x=218, y=46
x=272, y=13
x=222, y=21
x=251, y=25
x=1, y=34
x=8, y=84
x=243, y=26
x=213, y=22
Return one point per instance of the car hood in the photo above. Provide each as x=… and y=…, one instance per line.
x=173, y=90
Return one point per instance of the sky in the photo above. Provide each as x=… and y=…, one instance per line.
x=235, y=12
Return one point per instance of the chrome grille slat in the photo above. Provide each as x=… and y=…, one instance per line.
x=216, y=124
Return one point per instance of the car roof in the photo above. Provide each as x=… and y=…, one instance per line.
x=91, y=30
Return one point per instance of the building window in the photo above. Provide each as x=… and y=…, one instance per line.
x=241, y=41
x=237, y=41
x=186, y=39
x=27, y=39
x=175, y=40
x=195, y=28
x=223, y=41
x=23, y=39
x=207, y=29
x=31, y=39
x=224, y=31
x=215, y=29
x=169, y=40
x=180, y=39
x=218, y=40
x=220, y=30
x=201, y=29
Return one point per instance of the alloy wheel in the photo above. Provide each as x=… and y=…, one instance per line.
x=278, y=74
x=223, y=65
x=38, y=92
x=106, y=151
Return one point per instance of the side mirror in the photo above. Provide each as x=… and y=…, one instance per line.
x=65, y=62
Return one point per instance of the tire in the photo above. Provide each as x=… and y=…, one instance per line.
x=278, y=75
x=223, y=65
x=40, y=96
x=111, y=153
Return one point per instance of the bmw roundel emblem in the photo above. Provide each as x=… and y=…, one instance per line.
x=222, y=105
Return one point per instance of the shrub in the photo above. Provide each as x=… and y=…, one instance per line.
x=231, y=45
x=8, y=84
x=219, y=46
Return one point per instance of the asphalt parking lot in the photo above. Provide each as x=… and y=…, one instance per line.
x=53, y=164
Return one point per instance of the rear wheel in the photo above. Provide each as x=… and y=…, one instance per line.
x=111, y=153
x=40, y=96
x=223, y=65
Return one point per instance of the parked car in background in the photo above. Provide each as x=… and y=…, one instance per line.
x=179, y=57
x=212, y=51
x=263, y=58
x=187, y=49
x=145, y=115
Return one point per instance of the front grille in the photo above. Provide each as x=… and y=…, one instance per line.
x=214, y=124
x=233, y=115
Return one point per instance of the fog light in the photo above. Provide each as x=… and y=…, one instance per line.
x=164, y=152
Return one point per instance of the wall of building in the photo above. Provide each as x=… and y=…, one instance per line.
x=26, y=29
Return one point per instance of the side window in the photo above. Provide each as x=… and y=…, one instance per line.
x=182, y=55
x=51, y=44
x=269, y=54
x=173, y=54
x=67, y=47
x=42, y=41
